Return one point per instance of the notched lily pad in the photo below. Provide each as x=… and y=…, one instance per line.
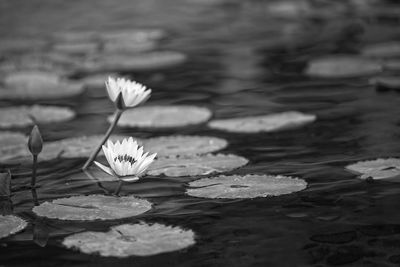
x=133, y=62
x=10, y=224
x=377, y=169
x=20, y=116
x=342, y=67
x=75, y=147
x=93, y=207
x=248, y=186
x=264, y=123
x=196, y=165
x=163, y=116
x=180, y=145
x=132, y=240
x=382, y=50
x=38, y=85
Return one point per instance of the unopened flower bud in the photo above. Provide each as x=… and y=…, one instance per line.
x=35, y=142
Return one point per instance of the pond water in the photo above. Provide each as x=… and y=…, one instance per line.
x=244, y=58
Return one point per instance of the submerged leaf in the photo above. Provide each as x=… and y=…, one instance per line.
x=382, y=50
x=93, y=207
x=341, y=66
x=377, y=169
x=11, y=224
x=38, y=85
x=180, y=145
x=263, y=123
x=163, y=116
x=132, y=240
x=196, y=165
x=21, y=116
x=248, y=186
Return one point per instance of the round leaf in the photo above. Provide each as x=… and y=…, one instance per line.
x=248, y=186
x=10, y=224
x=132, y=240
x=20, y=116
x=377, y=169
x=342, y=67
x=179, y=145
x=93, y=207
x=163, y=116
x=264, y=123
x=196, y=165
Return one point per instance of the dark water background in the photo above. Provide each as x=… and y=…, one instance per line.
x=243, y=60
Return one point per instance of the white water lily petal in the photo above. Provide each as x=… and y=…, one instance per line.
x=133, y=93
x=104, y=168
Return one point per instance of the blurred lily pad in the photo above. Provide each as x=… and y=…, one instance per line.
x=133, y=62
x=392, y=65
x=180, y=145
x=386, y=82
x=75, y=147
x=127, y=46
x=248, y=186
x=20, y=116
x=342, y=67
x=21, y=45
x=132, y=240
x=134, y=35
x=196, y=165
x=377, y=169
x=93, y=207
x=163, y=116
x=264, y=123
x=38, y=85
x=10, y=224
x=77, y=48
x=11, y=139
x=382, y=50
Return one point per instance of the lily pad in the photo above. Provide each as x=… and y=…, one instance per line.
x=377, y=169
x=132, y=240
x=133, y=62
x=386, y=82
x=392, y=65
x=342, y=67
x=76, y=48
x=163, y=116
x=12, y=139
x=264, y=123
x=180, y=145
x=38, y=85
x=75, y=147
x=248, y=186
x=10, y=224
x=93, y=207
x=382, y=50
x=196, y=165
x=134, y=35
x=20, y=116
x=127, y=46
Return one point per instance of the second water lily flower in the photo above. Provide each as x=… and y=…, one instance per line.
x=132, y=93
x=126, y=160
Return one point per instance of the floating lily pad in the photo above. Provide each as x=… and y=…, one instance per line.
x=163, y=116
x=342, y=67
x=248, y=186
x=393, y=65
x=93, y=207
x=196, y=165
x=38, y=85
x=386, y=82
x=134, y=35
x=133, y=62
x=19, y=116
x=10, y=225
x=382, y=50
x=21, y=45
x=132, y=240
x=127, y=46
x=264, y=123
x=75, y=147
x=76, y=36
x=166, y=146
x=377, y=169
x=76, y=48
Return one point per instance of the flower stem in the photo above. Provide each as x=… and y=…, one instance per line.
x=118, y=189
x=93, y=156
x=34, y=168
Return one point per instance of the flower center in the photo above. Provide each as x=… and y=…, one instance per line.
x=125, y=158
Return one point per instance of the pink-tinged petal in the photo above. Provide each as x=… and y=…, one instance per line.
x=104, y=168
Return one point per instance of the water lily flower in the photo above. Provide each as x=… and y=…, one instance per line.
x=132, y=93
x=126, y=160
